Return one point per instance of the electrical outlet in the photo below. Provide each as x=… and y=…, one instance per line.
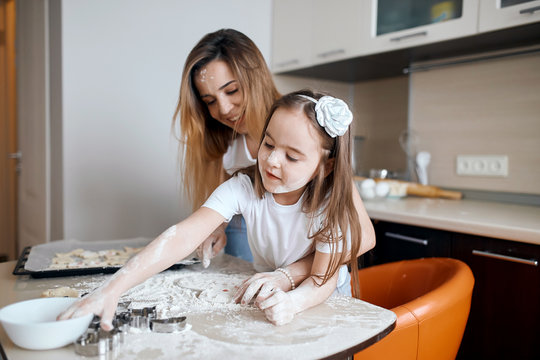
x=482, y=165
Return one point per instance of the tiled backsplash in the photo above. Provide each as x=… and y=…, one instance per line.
x=482, y=108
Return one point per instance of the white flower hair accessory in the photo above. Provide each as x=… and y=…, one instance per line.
x=332, y=114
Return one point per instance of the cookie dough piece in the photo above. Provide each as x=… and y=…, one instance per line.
x=63, y=291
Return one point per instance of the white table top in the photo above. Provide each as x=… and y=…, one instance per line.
x=337, y=328
x=485, y=218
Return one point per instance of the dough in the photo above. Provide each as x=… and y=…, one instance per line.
x=60, y=292
x=80, y=258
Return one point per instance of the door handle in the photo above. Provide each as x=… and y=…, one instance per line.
x=530, y=11
x=408, y=36
x=491, y=255
x=406, y=238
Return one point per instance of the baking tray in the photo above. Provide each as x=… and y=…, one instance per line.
x=34, y=261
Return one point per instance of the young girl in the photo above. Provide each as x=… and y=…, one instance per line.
x=296, y=204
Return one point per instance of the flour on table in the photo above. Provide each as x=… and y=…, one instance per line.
x=217, y=327
x=184, y=293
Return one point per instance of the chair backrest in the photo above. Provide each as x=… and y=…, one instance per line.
x=432, y=298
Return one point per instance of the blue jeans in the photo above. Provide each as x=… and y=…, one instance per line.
x=237, y=242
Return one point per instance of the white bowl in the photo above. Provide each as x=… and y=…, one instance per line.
x=32, y=324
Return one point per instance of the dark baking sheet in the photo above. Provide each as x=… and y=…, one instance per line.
x=22, y=269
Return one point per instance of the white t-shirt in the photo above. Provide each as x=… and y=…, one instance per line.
x=237, y=156
x=277, y=234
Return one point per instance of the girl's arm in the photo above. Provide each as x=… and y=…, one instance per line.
x=174, y=244
x=262, y=284
x=281, y=307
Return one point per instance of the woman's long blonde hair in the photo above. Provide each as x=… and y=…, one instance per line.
x=204, y=140
x=329, y=196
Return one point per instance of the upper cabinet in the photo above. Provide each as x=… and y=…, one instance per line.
x=291, y=34
x=308, y=32
x=499, y=14
x=354, y=40
x=395, y=24
x=337, y=30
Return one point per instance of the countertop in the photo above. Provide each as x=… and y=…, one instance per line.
x=485, y=218
x=218, y=328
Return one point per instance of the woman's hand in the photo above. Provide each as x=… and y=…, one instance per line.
x=279, y=308
x=262, y=285
x=212, y=245
x=101, y=302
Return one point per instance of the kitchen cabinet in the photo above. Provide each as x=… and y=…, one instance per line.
x=351, y=40
x=337, y=30
x=504, y=314
x=291, y=34
x=308, y=32
x=499, y=14
x=403, y=242
x=505, y=311
x=396, y=24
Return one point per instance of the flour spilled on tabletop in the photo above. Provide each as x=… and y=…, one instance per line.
x=216, y=326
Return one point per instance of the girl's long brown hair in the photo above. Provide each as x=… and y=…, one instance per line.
x=329, y=197
x=204, y=140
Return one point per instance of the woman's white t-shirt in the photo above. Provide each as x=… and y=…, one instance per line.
x=237, y=156
x=277, y=234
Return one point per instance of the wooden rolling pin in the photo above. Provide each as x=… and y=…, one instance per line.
x=432, y=191
x=416, y=189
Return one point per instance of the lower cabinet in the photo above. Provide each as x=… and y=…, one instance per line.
x=505, y=309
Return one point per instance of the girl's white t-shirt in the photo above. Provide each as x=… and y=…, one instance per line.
x=237, y=156
x=277, y=234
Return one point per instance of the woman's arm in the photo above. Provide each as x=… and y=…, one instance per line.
x=174, y=244
x=368, y=233
x=212, y=245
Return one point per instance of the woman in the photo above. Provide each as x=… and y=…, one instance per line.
x=225, y=95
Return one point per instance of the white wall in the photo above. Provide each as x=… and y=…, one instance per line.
x=122, y=62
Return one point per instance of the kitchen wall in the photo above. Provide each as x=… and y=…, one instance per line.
x=380, y=109
x=489, y=107
x=122, y=62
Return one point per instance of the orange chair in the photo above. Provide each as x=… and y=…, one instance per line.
x=431, y=298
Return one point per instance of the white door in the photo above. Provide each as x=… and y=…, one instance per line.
x=33, y=115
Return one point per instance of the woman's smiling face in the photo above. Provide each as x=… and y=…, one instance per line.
x=222, y=94
x=289, y=155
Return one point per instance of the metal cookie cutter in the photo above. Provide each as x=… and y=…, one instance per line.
x=98, y=342
x=140, y=318
x=168, y=325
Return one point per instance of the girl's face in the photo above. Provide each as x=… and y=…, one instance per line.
x=289, y=155
x=222, y=94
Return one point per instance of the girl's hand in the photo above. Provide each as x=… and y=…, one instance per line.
x=279, y=308
x=100, y=302
x=262, y=283
x=212, y=245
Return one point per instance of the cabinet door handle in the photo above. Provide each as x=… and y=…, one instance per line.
x=488, y=254
x=406, y=238
x=531, y=10
x=331, y=53
x=408, y=36
x=288, y=63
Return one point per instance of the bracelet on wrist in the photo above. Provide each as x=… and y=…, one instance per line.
x=288, y=275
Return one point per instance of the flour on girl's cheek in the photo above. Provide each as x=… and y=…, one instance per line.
x=291, y=187
x=285, y=188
